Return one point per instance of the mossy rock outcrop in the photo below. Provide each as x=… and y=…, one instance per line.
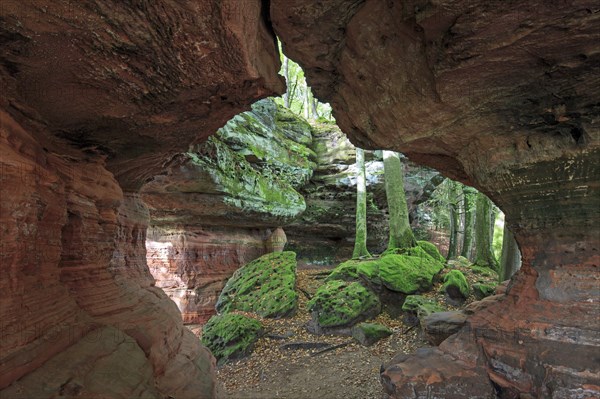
x=369, y=333
x=343, y=304
x=481, y=290
x=484, y=271
x=230, y=336
x=401, y=273
x=456, y=285
x=264, y=286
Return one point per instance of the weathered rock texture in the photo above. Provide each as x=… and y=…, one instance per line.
x=503, y=97
x=215, y=206
x=95, y=98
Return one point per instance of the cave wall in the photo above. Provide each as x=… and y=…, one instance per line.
x=95, y=98
x=503, y=97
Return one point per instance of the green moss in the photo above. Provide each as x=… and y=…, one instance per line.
x=264, y=286
x=339, y=304
x=484, y=290
x=421, y=306
x=484, y=271
x=230, y=336
x=369, y=333
x=401, y=273
x=455, y=284
x=431, y=250
x=344, y=271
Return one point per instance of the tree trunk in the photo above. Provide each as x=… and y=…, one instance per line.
x=510, y=260
x=286, y=75
x=307, y=101
x=454, y=220
x=360, y=241
x=401, y=235
x=313, y=104
x=484, y=255
x=469, y=195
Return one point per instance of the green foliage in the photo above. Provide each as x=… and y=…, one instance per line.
x=230, y=336
x=456, y=284
x=264, y=286
x=340, y=303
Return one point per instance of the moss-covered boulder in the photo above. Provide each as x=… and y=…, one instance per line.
x=230, y=336
x=481, y=290
x=345, y=271
x=431, y=250
x=419, y=305
x=264, y=286
x=415, y=307
x=343, y=304
x=401, y=273
x=460, y=261
x=484, y=271
x=369, y=333
x=456, y=285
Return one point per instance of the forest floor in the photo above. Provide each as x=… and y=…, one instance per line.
x=275, y=370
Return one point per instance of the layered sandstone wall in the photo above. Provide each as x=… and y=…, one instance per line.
x=95, y=97
x=504, y=98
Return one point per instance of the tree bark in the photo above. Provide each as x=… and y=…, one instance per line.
x=286, y=75
x=401, y=235
x=510, y=261
x=360, y=241
x=454, y=220
x=484, y=255
x=469, y=196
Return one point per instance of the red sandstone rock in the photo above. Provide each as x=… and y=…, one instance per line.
x=95, y=98
x=502, y=97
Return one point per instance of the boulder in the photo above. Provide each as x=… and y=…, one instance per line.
x=481, y=290
x=369, y=333
x=340, y=304
x=416, y=307
x=230, y=336
x=439, y=326
x=265, y=286
x=456, y=285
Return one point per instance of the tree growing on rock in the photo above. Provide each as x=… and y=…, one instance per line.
x=401, y=235
x=484, y=220
x=360, y=240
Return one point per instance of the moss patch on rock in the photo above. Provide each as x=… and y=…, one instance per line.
x=456, y=285
x=345, y=271
x=484, y=271
x=230, y=336
x=421, y=306
x=342, y=304
x=369, y=333
x=264, y=286
x=481, y=290
x=401, y=273
x=431, y=250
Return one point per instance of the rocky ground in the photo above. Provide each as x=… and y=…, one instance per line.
x=284, y=365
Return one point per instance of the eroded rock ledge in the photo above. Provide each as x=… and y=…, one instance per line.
x=95, y=98
x=505, y=98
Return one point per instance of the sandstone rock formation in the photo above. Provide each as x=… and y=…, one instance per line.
x=95, y=98
x=502, y=97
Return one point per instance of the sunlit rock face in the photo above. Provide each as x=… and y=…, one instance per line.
x=95, y=99
x=505, y=98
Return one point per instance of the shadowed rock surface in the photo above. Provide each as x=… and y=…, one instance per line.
x=98, y=97
x=504, y=98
